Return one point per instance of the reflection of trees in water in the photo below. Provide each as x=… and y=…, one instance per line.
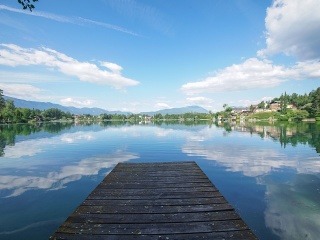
x=9, y=132
x=225, y=125
x=113, y=123
x=7, y=137
x=300, y=133
x=315, y=136
x=185, y=123
x=283, y=132
x=56, y=127
x=2, y=145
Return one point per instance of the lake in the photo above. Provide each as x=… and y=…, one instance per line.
x=270, y=173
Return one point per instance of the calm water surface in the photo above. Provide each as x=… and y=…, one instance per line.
x=269, y=173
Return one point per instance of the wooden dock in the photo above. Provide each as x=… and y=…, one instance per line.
x=172, y=200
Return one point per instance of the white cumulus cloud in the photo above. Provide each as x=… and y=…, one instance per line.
x=161, y=105
x=25, y=91
x=112, y=66
x=13, y=55
x=78, y=103
x=253, y=74
x=293, y=28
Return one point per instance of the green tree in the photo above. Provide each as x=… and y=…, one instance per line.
x=294, y=99
x=226, y=107
x=2, y=105
x=283, y=103
x=18, y=116
x=53, y=113
x=9, y=111
x=2, y=101
x=158, y=116
x=315, y=107
x=105, y=116
x=261, y=105
x=26, y=114
x=301, y=114
x=227, y=110
x=297, y=114
x=67, y=115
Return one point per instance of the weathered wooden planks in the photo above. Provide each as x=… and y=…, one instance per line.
x=155, y=201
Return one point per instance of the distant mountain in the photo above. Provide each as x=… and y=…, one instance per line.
x=97, y=111
x=189, y=109
x=46, y=105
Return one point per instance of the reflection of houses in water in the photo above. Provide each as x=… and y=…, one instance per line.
x=76, y=117
x=275, y=131
x=241, y=128
x=267, y=131
x=146, y=119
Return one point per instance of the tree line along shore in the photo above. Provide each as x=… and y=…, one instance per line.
x=287, y=107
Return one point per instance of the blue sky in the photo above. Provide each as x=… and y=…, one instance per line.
x=133, y=55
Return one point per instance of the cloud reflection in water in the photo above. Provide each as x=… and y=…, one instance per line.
x=57, y=180
x=34, y=146
x=293, y=207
